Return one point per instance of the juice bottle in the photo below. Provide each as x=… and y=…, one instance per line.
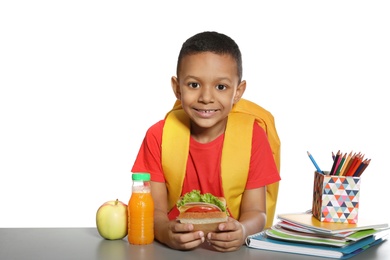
x=141, y=211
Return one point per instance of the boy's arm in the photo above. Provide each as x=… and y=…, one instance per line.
x=253, y=211
x=252, y=220
x=161, y=221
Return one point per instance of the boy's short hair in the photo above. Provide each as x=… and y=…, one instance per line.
x=211, y=42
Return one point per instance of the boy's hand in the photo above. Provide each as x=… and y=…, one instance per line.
x=182, y=237
x=231, y=237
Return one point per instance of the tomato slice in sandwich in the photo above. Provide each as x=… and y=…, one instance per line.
x=202, y=209
x=199, y=207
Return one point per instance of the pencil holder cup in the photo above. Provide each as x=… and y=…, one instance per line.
x=336, y=198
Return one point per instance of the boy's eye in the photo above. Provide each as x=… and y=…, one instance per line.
x=220, y=87
x=193, y=85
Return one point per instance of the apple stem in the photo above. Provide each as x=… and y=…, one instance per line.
x=116, y=202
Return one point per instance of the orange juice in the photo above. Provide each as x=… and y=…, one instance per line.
x=141, y=213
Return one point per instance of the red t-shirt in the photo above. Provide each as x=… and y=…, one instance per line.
x=204, y=162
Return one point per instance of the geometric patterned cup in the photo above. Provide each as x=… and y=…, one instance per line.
x=336, y=198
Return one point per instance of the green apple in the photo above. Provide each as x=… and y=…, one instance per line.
x=111, y=220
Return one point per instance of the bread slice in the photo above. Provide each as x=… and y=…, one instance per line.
x=204, y=224
x=202, y=221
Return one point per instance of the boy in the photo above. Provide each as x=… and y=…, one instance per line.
x=194, y=147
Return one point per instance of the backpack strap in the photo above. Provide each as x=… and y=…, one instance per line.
x=266, y=120
x=235, y=161
x=174, y=152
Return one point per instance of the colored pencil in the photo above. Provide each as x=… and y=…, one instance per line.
x=346, y=164
x=335, y=161
x=360, y=167
x=341, y=164
x=355, y=165
x=351, y=161
x=314, y=162
x=358, y=174
x=337, y=164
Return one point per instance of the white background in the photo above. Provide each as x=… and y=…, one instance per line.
x=81, y=81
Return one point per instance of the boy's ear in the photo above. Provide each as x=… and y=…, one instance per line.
x=176, y=87
x=240, y=91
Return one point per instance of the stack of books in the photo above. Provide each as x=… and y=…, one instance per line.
x=302, y=233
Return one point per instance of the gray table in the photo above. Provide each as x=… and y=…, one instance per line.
x=85, y=244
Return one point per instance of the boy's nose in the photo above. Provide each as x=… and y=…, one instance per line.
x=206, y=95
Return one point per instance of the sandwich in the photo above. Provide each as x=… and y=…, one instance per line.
x=204, y=211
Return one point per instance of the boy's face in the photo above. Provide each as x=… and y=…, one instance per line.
x=208, y=87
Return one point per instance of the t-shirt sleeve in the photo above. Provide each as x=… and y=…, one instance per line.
x=262, y=170
x=149, y=154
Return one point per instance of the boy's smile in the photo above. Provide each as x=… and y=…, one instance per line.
x=206, y=113
x=208, y=86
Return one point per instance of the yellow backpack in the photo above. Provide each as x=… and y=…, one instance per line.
x=238, y=137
